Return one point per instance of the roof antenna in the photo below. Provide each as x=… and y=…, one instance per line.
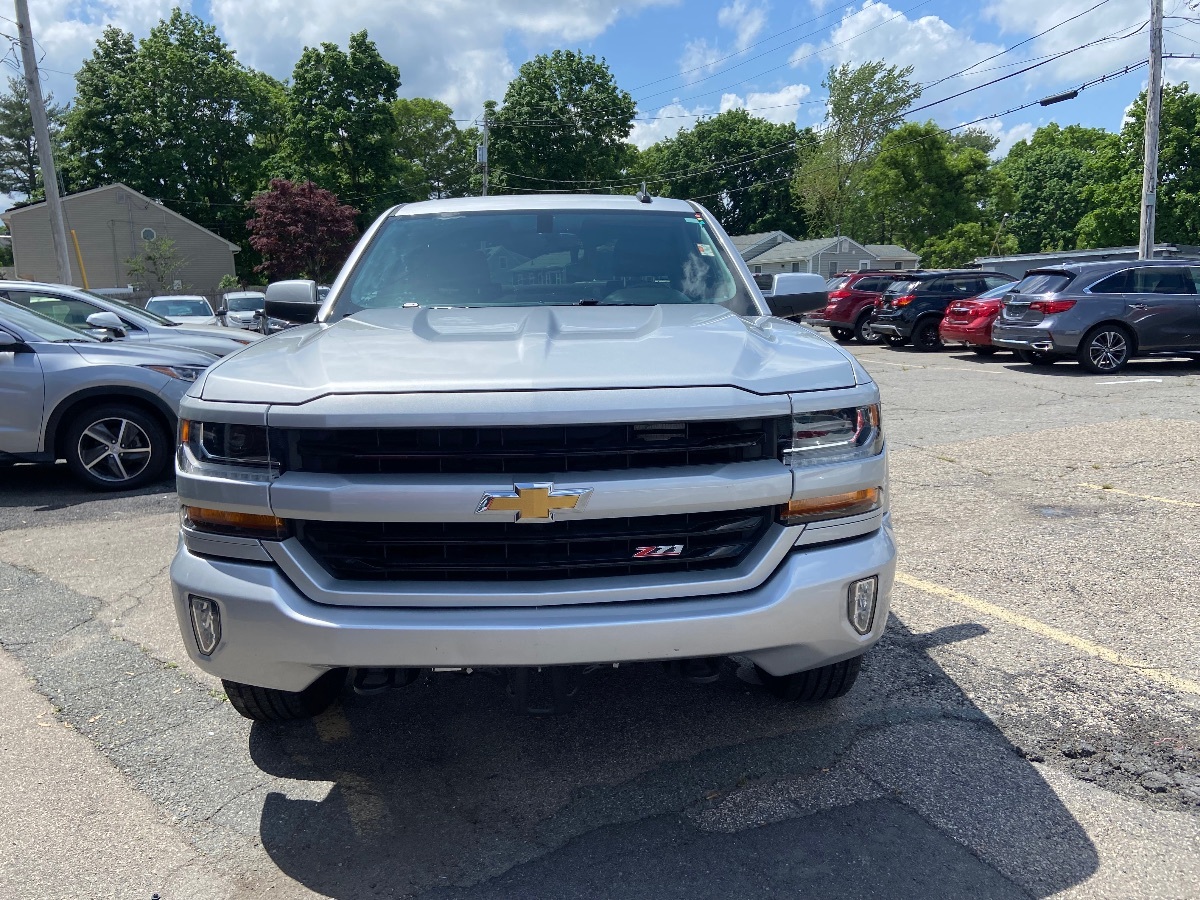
x=643, y=196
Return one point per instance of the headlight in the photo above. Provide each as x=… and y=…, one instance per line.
x=834, y=435
x=240, y=451
x=183, y=373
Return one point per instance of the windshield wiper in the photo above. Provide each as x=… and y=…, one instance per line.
x=75, y=341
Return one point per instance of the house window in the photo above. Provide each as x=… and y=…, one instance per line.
x=864, y=264
x=796, y=267
x=833, y=268
x=757, y=270
x=148, y=234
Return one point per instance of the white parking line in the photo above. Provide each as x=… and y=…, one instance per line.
x=1132, y=381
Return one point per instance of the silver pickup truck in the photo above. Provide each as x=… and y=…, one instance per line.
x=529, y=435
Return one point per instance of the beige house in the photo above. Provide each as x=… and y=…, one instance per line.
x=113, y=224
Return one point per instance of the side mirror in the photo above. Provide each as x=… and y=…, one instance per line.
x=292, y=301
x=107, y=321
x=222, y=310
x=791, y=306
x=10, y=344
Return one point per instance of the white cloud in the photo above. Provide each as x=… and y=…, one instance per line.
x=700, y=54
x=1007, y=136
x=454, y=51
x=775, y=106
x=745, y=19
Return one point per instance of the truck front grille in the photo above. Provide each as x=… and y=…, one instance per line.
x=525, y=450
x=501, y=551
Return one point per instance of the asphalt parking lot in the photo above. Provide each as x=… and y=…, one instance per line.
x=1029, y=727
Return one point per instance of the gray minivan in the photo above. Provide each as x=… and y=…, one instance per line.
x=1103, y=313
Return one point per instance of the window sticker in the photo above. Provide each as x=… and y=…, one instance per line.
x=705, y=250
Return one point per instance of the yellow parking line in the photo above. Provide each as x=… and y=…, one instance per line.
x=1113, y=490
x=1055, y=634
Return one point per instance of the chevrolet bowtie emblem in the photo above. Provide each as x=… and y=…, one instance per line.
x=533, y=502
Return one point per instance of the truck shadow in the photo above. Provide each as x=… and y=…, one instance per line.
x=655, y=787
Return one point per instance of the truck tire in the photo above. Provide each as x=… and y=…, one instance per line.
x=842, y=335
x=894, y=340
x=825, y=683
x=271, y=705
x=116, y=447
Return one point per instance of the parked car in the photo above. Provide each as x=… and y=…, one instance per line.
x=186, y=309
x=1103, y=313
x=98, y=314
x=912, y=308
x=792, y=294
x=969, y=322
x=241, y=309
x=107, y=407
x=852, y=297
x=465, y=469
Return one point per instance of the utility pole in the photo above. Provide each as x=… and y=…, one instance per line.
x=481, y=153
x=1153, y=116
x=41, y=131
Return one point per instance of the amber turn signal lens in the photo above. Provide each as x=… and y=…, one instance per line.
x=836, y=506
x=221, y=521
x=185, y=431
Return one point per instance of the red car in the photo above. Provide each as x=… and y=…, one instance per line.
x=852, y=295
x=969, y=322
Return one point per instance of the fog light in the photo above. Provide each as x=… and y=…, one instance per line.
x=206, y=623
x=860, y=607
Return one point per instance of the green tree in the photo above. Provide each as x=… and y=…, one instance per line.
x=435, y=157
x=20, y=169
x=156, y=265
x=866, y=102
x=739, y=165
x=1048, y=179
x=1114, y=193
x=564, y=120
x=963, y=243
x=341, y=131
x=174, y=116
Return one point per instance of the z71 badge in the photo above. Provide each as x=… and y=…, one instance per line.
x=669, y=550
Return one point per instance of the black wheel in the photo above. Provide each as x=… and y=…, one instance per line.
x=894, y=340
x=1105, y=349
x=1036, y=357
x=271, y=705
x=824, y=683
x=841, y=335
x=984, y=351
x=925, y=335
x=863, y=333
x=116, y=447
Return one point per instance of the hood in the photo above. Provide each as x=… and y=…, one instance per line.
x=139, y=353
x=531, y=348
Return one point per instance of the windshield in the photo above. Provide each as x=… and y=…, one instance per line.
x=997, y=292
x=543, y=258
x=1042, y=283
x=252, y=303
x=179, y=306
x=41, y=327
x=836, y=282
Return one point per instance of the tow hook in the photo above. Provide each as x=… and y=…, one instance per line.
x=369, y=682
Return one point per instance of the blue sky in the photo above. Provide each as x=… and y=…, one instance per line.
x=687, y=58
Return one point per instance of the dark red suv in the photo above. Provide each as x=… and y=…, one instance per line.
x=852, y=295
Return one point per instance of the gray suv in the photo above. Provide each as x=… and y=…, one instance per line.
x=1103, y=314
x=107, y=407
x=78, y=309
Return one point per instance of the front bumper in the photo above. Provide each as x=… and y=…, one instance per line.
x=273, y=636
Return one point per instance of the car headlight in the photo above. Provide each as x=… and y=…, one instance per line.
x=227, y=449
x=834, y=435
x=183, y=373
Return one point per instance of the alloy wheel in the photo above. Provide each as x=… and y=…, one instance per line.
x=1108, y=350
x=115, y=449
